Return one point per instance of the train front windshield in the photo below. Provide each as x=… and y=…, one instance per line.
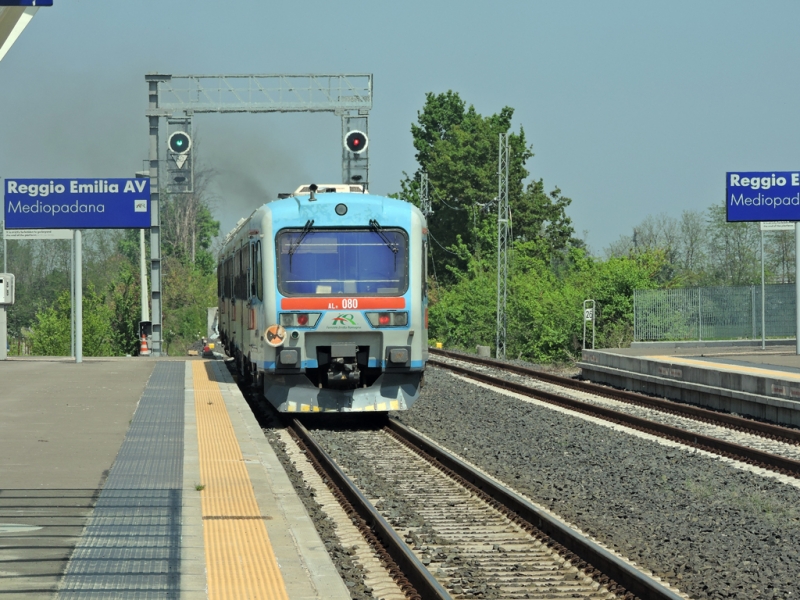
x=364, y=262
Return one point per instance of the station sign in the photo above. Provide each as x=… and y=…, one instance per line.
x=77, y=204
x=26, y=2
x=763, y=196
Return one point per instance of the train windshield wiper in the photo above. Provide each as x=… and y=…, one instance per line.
x=296, y=244
x=376, y=227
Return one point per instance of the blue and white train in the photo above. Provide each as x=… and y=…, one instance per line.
x=323, y=300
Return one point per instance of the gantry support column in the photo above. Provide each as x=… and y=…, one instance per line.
x=153, y=116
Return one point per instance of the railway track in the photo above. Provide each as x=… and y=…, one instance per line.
x=764, y=445
x=445, y=530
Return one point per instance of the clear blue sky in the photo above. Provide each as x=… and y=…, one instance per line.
x=632, y=108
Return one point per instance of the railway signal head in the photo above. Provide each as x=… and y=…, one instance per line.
x=356, y=141
x=179, y=142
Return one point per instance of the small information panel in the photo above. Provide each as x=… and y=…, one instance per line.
x=6, y=288
x=77, y=204
x=777, y=226
x=37, y=234
x=768, y=196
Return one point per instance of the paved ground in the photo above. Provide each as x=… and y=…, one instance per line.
x=57, y=443
x=772, y=356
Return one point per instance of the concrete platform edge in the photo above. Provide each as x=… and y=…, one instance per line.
x=193, y=563
x=722, y=391
x=290, y=530
x=713, y=344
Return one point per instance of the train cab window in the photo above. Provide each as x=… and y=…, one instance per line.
x=359, y=262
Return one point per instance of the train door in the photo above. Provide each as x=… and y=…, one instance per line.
x=241, y=317
x=424, y=271
x=255, y=288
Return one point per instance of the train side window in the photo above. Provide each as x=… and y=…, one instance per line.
x=259, y=274
x=237, y=277
x=242, y=294
x=234, y=275
x=227, y=278
x=251, y=270
x=424, y=268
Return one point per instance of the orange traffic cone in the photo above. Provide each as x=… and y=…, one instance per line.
x=144, y=350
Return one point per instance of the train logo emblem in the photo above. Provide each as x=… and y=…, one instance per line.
x=344, y=320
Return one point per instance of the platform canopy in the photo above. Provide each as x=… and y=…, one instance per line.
x=13, y=20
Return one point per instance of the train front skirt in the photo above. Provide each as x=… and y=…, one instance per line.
x=295, y=393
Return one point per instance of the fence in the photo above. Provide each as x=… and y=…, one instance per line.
x=713, y=313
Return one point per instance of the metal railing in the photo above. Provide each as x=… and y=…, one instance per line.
x=713, y=313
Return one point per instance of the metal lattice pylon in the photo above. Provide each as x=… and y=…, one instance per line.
x=503, y=214
x=424, y=197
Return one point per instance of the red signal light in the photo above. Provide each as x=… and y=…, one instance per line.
x=356, y=141
x=302, y=319
x=384, y=319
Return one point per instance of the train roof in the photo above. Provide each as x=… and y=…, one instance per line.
x=296, y=210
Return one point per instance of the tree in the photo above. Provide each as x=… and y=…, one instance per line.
x=701, y=249
x=51, y=332
x=187, y=225
x=779, y=251
x=733, y=250
x=458, y=149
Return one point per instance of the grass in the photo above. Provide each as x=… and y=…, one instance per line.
x=199, y=487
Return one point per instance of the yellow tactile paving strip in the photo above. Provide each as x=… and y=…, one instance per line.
x=240, y=562
x=785, y=375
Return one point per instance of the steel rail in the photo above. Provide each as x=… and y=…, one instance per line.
x=695, y=412
x=772, y=461
x=598, y=557
x=423, y=581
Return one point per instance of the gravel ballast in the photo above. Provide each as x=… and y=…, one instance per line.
x=710, y=529
x=350, y=571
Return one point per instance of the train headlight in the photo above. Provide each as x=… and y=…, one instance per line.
x=300, y=319
x=387, y=319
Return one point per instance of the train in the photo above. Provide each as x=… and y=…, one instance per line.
x=323, y=300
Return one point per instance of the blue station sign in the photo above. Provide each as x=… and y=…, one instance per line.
x=26, y=2
x=755, y=196
x=77, y=203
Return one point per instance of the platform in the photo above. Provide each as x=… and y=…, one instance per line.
x=741, y=379
x=146, y=478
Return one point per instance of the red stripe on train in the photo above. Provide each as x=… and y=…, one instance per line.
x=341, y=303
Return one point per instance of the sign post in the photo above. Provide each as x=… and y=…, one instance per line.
x=588, y=316
x=768, y=226
x=49, y=205
x=6, y=298
x=767, y=196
